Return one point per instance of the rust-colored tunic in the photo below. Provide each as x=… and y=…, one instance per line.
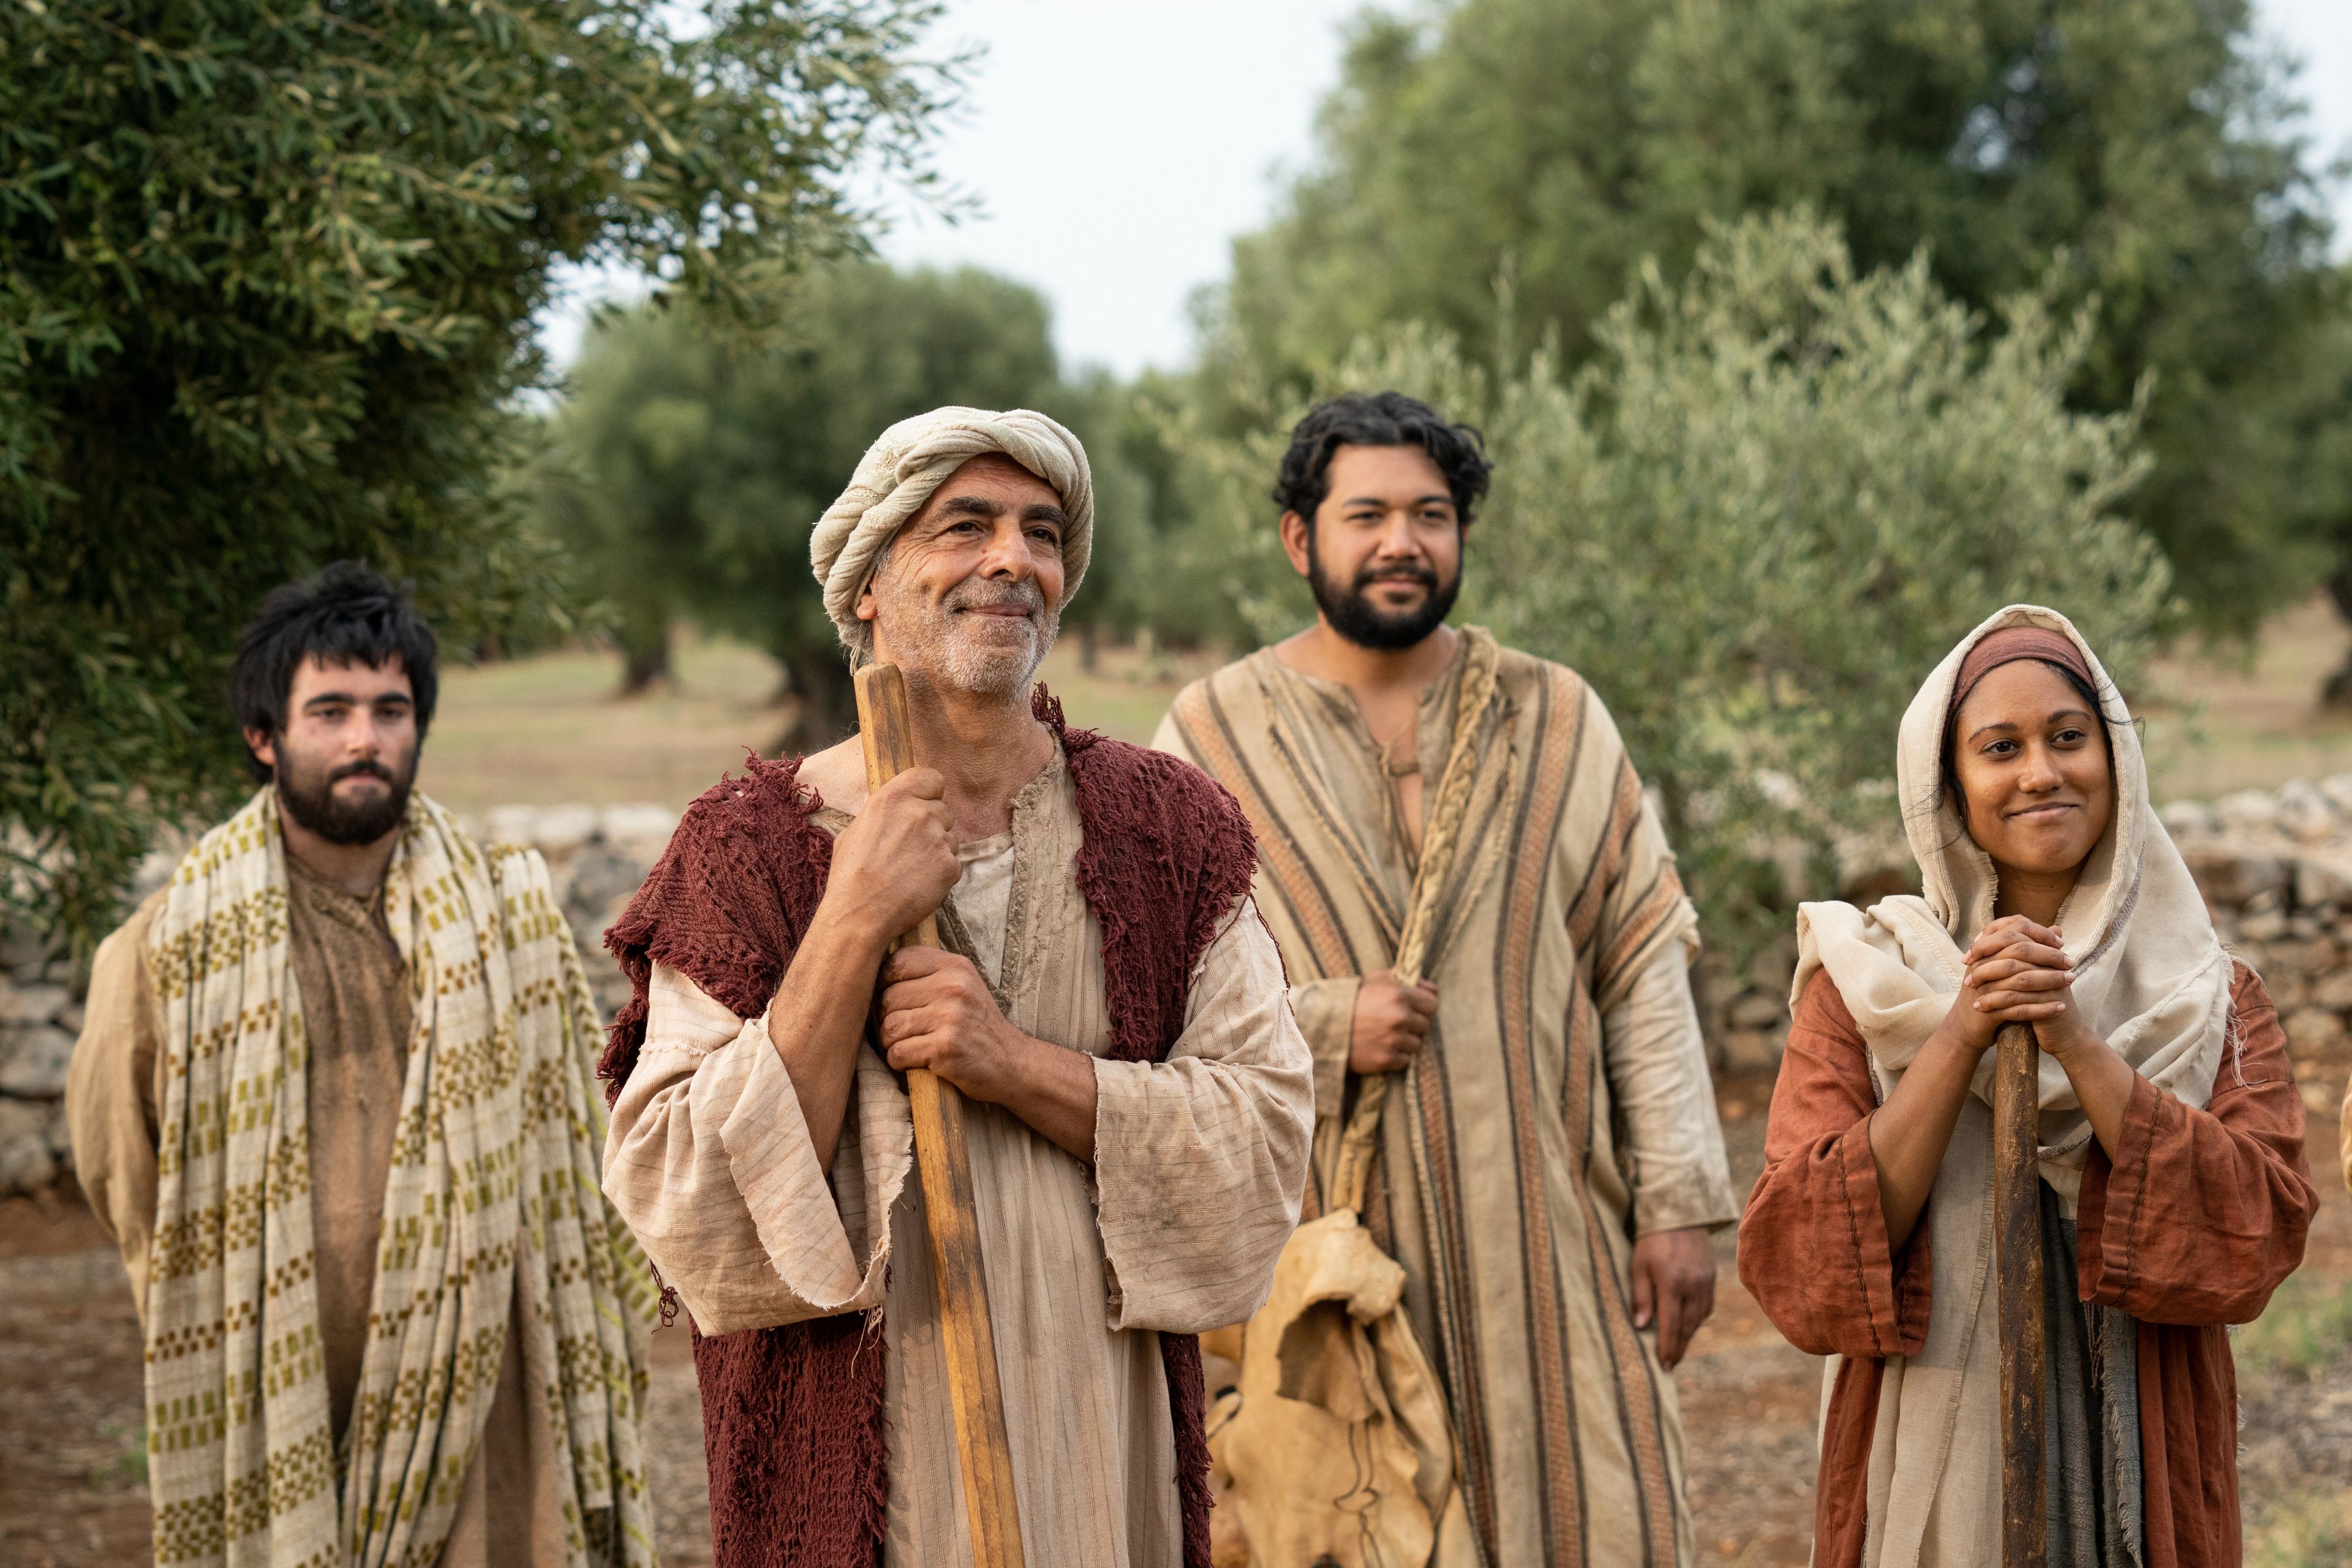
x=2190, y=1229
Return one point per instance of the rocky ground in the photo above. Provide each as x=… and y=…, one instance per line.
x=73, y=1493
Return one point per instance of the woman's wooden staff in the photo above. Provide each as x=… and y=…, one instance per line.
x=2024, y=1348
x=943, y=1163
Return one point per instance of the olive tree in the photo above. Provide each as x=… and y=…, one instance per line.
x=267, y=278
x=1779, y=492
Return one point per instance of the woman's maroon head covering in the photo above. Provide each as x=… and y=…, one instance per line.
x=2010, y=644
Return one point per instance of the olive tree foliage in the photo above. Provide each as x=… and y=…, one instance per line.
x=1776, y=497
x=1546, y=147
x=688, y=469
x=266, y=280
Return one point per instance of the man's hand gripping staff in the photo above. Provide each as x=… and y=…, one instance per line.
x=903, y=840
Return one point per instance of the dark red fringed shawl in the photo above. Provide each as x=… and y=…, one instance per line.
x=793, y=1418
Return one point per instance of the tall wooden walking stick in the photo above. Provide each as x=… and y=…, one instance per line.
x=943, y=1164
x=2024, y=1348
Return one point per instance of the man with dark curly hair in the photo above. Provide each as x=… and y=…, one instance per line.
x=1531, y=1099
x=333, y=1099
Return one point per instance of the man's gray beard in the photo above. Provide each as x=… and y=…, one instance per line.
x=948, y=649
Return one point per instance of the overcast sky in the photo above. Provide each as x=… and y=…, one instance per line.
x=1115, y=149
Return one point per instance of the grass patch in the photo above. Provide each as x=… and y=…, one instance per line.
x=2310, y=1531
x=128, y=1467
x=551, y=729
x=2221, y=722
x=2306, y=1327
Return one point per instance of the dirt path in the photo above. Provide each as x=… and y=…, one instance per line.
x=1749, y=1398
x=73, y=1494
x=1751, y=1401
x=74, y=1489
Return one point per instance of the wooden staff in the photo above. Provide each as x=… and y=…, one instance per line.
x=943, y=1163
x=2024, y=1348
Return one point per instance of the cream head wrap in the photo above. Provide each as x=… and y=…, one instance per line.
x=907, y=465
x=2151, y=979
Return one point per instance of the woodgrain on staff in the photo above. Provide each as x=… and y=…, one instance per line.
x=943, y=1164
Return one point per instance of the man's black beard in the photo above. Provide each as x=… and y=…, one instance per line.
x=309, y=799
x=1352, y=615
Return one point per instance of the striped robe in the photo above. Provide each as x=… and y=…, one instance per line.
x=1563, y=1103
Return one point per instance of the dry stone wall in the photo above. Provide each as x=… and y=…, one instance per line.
x=2276, y=871
x=2275, y=868
x=597, y=855
x=39, y=1017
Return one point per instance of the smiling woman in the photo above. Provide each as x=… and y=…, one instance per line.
x=2173, y=1192
x=2027, y=760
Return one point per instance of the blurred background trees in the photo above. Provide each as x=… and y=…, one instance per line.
x=687, y=467
x=1806, y=331
x=1775, y=494
x=268, y=289
x=2137, y=152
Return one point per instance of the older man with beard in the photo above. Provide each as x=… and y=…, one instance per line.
x=334, y=1100
x=1107, y=1001
x=1546, y=1164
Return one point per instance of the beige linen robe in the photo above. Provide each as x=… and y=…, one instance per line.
x=355, y=1002
x=1198, y=1168
x=1563, y=1104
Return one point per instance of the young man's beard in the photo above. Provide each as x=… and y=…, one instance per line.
x=309, y=796
x=963, y=651
x=1353, y=616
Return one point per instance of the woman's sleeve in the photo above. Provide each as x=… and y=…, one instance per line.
x=2202, y=1213
x=1812, y=1244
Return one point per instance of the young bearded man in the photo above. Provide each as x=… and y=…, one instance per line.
x=1550, y=1164
x=1140, y=1101
x=334, y=1100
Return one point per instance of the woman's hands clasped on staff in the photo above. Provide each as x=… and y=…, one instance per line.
x=2018, y=972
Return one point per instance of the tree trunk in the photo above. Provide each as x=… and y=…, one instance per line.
x=819, y=678
x=2336, y=692
x=645, y=651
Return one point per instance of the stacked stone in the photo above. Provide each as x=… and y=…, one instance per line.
x=2276, y=871
x=38, y=1020
x=597, y=855
x=2275, y=868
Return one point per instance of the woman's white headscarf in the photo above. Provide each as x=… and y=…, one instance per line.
x=2151, y=979
x=908, y=463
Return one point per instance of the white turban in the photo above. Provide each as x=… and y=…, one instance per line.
x=909, y=463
